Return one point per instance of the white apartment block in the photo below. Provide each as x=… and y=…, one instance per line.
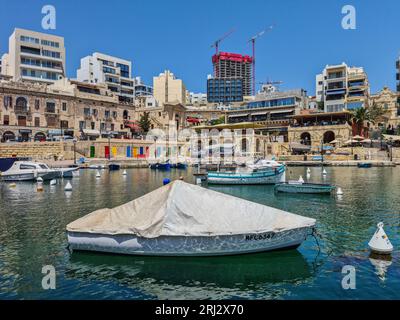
x=116, y=73
x=34, y=56
x=167, y=89
x=342, y=88
x=198, y=98
x=142, y=89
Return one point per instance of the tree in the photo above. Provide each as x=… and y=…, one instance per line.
x=145, y=122
x=220, y=120
x=359, y=117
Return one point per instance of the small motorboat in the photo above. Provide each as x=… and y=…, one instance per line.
x=114, y=166
x=254, y=176
x=6, y=163
x=301, y=187
x=175, y=220
x=364, y=165
x=28, y=171
x=166, y=166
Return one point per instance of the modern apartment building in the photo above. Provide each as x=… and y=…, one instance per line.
x=116, y=73
x=232, y=65
x=197, y=99
x=167, y=89
x=225, y=90
x=341, y=87
x=142, y=89
x=34, y=56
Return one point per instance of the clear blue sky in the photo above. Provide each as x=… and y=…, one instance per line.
x=177, y=34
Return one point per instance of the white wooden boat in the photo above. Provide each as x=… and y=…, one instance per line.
x=27, y=171
x=182, y=219
x=264, y=175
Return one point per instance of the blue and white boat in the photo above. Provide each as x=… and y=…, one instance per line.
x=166, y=166
x=263, y=173
x=307, y=188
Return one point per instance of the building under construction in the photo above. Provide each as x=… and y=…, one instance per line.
x=234, y=66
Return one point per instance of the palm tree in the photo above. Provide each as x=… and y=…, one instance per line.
x=358, y=118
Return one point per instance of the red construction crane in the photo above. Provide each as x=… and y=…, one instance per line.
x=217, y=42
x=253, y=42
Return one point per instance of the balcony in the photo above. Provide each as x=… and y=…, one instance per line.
x=50, y=111
x=22, y=110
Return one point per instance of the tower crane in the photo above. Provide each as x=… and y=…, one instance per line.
x=217, y=42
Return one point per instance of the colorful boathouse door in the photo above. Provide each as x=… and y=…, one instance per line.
x=107, y=152
x=128, y=152
x=92, y=151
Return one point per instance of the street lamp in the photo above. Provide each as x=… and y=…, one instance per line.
x=75, y=141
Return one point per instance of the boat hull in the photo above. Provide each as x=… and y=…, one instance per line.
x=365, y=165
x=189, y=246
x=161, y=166
x=304, y=188
x=261, y=177
x=30, y=176
x=114, y=167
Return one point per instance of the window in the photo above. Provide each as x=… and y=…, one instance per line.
x=26, y=167
x=37, y=104
x=94, y=112
x=50, y=107
x=92, y=125
x=7, y=102
x=82, y=125
x=112, y=126
x=50, y=43
x=37, y=122
x=114, y=114
x=86, y=112
x=64, y=106
x=29, y=39
x=64, y=124
x=102, y=126
x=107, y=114
x=52, y=54
x=6, y=120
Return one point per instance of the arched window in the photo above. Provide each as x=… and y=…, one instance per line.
x=329, y=136
x=125, y=115
x=244, y=144
x=21, y=104
x=8, y=135
x=305, y=138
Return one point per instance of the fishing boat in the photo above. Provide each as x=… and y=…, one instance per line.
x=182, y=219
x=166, y=166
x=364, y=165
x=114, y=166
x=261, y=175
x=299, y=187
x=28, y=171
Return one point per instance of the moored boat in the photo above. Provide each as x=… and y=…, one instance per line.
x=28, y=171
x=270, y=175
x=175, y=220
x=114, y=166
x=166, y=166
x=299, y=187
x=179, y=165
x=364, y=165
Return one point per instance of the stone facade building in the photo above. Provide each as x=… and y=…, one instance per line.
x=34, y=111
x=388, y=101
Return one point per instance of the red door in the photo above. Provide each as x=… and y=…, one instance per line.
x=107, y=152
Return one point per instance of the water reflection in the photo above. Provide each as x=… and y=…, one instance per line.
x=199, y=278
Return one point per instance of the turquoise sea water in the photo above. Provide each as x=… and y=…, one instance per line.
x=32, y=234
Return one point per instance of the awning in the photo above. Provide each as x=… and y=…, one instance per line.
x=335, y=92
x=55, y=132
x=238, y=115
x=89, y=132
x=132, y=126
x=25, y=131
x=281, y=111
x=259, y=113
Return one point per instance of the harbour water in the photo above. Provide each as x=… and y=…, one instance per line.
x=32, y=234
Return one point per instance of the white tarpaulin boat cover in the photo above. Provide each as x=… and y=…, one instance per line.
x=182, y=209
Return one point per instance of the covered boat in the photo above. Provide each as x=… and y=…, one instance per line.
x=166, y=166
x=299, y=187
x=256, y=175
x=182, y=219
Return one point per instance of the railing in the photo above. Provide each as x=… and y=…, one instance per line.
x=21, y=109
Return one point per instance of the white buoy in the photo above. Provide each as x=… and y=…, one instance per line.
x=98, y=175
x=39, y=186
x=301, y=180
x=339, y=191
x=380, y=242
x=324, y=172
x=53, y=182
x=124, y=173
x=68, y=187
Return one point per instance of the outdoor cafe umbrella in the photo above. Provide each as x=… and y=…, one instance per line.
x=358, y=138
x=366, y=141
x=351, y=141
x=334, y=142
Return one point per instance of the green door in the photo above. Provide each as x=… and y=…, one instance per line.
x=92, y=151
